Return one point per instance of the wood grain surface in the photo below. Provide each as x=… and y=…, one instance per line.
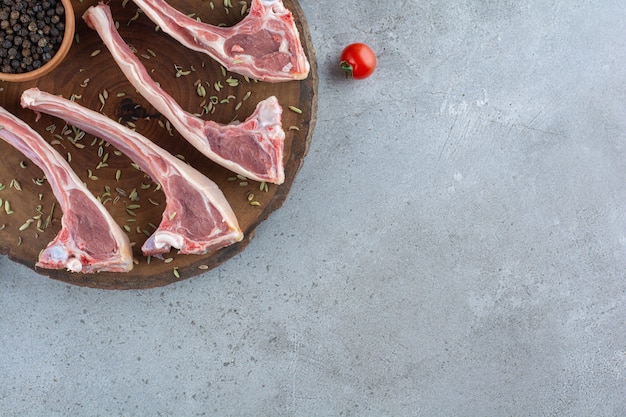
x=90, y=74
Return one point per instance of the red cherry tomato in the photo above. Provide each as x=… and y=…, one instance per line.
x=358, y=61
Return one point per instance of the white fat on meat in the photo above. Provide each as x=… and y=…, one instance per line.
x=89, y=239
x=252, y=148
x=264, y=45
x=197, y=218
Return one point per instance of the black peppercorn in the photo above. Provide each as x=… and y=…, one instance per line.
x=31, y=31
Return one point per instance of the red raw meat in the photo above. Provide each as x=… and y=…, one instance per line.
x=197, y=218
x=264, y=45
x=89, y=239
x=253, y=148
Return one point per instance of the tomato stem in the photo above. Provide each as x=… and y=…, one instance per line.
x=347, y=68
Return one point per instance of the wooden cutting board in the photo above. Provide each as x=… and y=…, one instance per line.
x=90, y=75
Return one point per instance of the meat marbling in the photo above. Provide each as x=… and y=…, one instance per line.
x=264, y=45
x=197, y=218
x=253, y=148
x=89, y=239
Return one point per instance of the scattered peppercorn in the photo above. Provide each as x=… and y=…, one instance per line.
x=31, y=32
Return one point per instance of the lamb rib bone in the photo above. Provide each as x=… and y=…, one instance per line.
x=197, y=218
x=253, y=148
x=89, y=239
x=264, y=45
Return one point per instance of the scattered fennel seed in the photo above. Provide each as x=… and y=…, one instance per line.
x=7, y=207
x=255, y=203
x=176, y=273
x=132, y=19
x=96, y=52
x=118, y=174
x=172, y=215
x=22, y=164
x=133, y=196
x=295, y=109
x=168, y=260
x=127, y=228
x=15, y=184
x=203, y=267
x=26, y=225
x=200, y=90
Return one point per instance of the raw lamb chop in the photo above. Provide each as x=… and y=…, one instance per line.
x=197, y=218
x=253, y=148
x=89, y=239
x=265, y=45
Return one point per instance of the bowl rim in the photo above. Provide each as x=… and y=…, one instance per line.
x=68, y=39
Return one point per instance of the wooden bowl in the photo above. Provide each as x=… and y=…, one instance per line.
x=68, y=38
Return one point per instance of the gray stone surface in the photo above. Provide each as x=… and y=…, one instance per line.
x=455, y=244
